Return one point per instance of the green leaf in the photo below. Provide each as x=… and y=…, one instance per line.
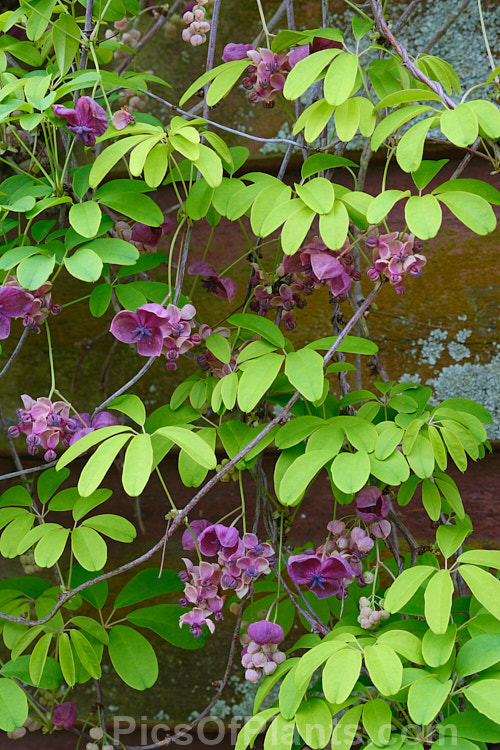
x=490, y=558
x=148, y=583
x=410, y=148
x=393, y=470
x=131, y=203
x=163, y=619
x=478, y=654
x=50, y=548
x=471, y=210
x=314, y=722
x=33, y=272
x=116, y=527
x=89, y=548
x=427, y=171
x=484, y=586
x=405, y=643
x=394, y=121
x=261, y=326
x=350, y=471
x=219, y=346
x=13, y=705
x=341, y=78
x=109, y=156
x=209, y=165
x=84, y=264
x=377, y=718
x=84, y=505
x=318, y=194
x=405, y=586
x=91, y=626
x=87, y=441
x=438, y=595
x=384, y=667
x=305, y=72
x=431, y=499
x=296, y=430
x=334, y=225
x=100, y=298
x=298, y=476
x=225, y=81
x=156, y=165
x=426, y=697
x=290, y=696
x=132, y=657
x=304, y=370
x=440, y=454
x=450, y=537
x=320, y=162
x=85, y=218
x=423, y=215
x=39, y=657
x=295, y=229
x=484, y=695
x=387, y=441
x=421, y=457
x=114, y=250
x=279, y=736
x=130, y=405
x=249, y=732
x=66, y=659
x=345, y=729
x=340, y=674
x=210, y=75
x=194, y=445
x=85, y=653
x=347, y=119
x=437, y=648
x=137, y=464
x=39, y=18
x=48, y=482
x=460, y=125
x=15, y=533
x=256, y=380
x=380, y=206
x=66, y=41
x=469, y=724
x=487, y=115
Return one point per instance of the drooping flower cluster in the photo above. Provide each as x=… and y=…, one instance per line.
x=47, y=423
x=15, y=302
x=260, y=649
x=87, y=120
x=240, y=562
x=394, y=256
x=65, y=715
x=274, y=294
x=319, y=266
x=157, y=330
x=372, y=507
x=194, y=15
x=41, y=304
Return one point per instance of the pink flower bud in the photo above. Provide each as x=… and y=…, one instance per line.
x=188, y=17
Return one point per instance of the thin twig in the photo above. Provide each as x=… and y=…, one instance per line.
x=125, y=387
x=412, y=543
x=14, y=354
x=406, y=14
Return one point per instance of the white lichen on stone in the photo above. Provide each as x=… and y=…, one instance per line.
x=432, y=346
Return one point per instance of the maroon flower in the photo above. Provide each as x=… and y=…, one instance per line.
x=146, y=235
x=64, y=715
x=86, y=424
x=323, y=577
x=264, y=631
x=14, y=303
x=221, y=286
x=371, y=505
x=87, y=120
x=219, y=538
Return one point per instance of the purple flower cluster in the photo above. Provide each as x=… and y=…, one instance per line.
x=268, y=296
x=143, y=236
x=260, y=649
x=394, y=256
x=240, y=562
x=47, y=423
x=157, y=330
x=330, y=569
x=87, y=120
x=33, y=307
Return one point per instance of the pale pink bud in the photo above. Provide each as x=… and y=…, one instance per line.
x=188, y=17
x=279, y=657
x=197, y=39
x=121, y=25
x=270, y=667
x=186, y=35
x=336, y=527
x=252, y=675
x=199, y=14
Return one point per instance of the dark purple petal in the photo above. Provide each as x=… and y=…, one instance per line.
x=91, y=114
x=196, y=528
x=264, y=631
x=301, y=567
x=104, y=419
x=4, y=327
x=168, y=226
x=14, y=301
x=325, y=266
x=230, y=288
x=146, y=235
x=234, y=51
x=371, y=505
x=320, y=42
x=65, y=715
x=336, y=566
x=202, y=269
x=217, y=537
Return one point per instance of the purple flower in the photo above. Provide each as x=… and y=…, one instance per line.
x=196, y=619
x=145, y=327
x=146, y=235
x=196, y=527
x=234, y=51
x=323, y=577
x=122, y=118
x=14, y=303
x=371, y=505
x=87, y=120
x=219, y=538
x=221, y=286
x=263, y=632
x=85, y=424
x=297, y=54
x=64, y=715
